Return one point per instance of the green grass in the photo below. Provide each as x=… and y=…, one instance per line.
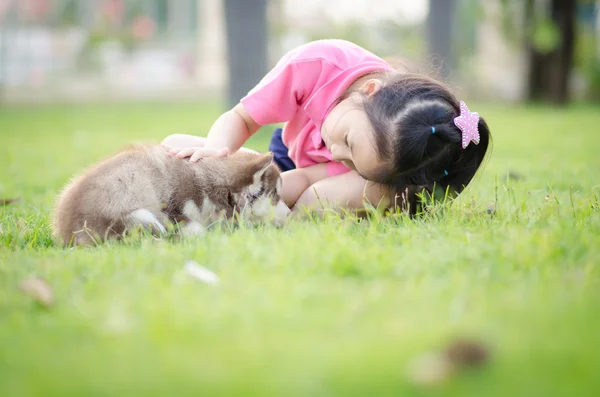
x=318, y=308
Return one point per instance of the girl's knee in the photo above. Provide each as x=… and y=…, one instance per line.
x=171, y=140
x=183, y=141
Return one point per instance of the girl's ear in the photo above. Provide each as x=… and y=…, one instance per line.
x=371, y=86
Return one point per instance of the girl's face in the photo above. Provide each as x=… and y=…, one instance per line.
x=349, y=136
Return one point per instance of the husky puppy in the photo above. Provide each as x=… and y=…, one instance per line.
x=145, y=186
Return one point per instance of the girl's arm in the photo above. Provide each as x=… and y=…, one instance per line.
x=295, y=182
x=275, y=99
x=348, y=191
x=231, y=130
x=227, y=135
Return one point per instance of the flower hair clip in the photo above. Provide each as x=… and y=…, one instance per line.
x=468, y=123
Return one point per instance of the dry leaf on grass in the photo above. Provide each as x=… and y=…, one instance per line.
x=430, y=369
x=467, y=353
x=39, y=290
x=9, y=201
x=200, y=273
x=513, y=176
x=436, y=368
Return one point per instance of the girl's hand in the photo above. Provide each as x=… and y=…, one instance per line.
x=195, y=153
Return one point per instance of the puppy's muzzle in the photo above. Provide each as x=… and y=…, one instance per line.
x=281, y=213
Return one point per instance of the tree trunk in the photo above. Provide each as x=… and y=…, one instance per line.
x=439, y=32
x=561, y=62
x=536, y=72
x=549, y=73
x=246, y=26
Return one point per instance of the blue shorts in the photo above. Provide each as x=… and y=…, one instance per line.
x=280, y=152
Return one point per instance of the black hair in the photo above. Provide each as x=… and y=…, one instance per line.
x=413, y=119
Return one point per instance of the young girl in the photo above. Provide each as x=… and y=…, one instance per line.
x=355, y=130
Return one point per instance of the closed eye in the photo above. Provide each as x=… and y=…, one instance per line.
x=256, y=196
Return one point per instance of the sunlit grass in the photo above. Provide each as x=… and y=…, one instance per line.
x=323, y=307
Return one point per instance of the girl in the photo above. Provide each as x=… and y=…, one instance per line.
x=355, y=130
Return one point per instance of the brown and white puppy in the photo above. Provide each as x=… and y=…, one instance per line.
x=146, y=186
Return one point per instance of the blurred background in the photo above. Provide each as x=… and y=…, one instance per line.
x=98, y=50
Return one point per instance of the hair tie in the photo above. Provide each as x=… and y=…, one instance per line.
x=445, y=172
x=433, y=130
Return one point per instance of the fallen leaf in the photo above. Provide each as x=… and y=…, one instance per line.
x=467, y=353
x=430, y=369
x=436, y=368
x=39, y=290
x=200, y=273
x=513, y=176
x=9, y=201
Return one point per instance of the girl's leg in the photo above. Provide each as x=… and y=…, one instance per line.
x=280, y=151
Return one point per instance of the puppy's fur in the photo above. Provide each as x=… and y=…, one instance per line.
x=146, y=186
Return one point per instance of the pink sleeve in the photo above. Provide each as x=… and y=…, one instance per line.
x=278, y=96
x=335, y=168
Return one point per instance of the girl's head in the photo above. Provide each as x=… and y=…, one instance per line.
x=398, y=130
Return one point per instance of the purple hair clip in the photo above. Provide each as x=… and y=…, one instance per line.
x=468, y=123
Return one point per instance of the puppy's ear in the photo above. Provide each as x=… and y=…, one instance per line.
x=259, y=167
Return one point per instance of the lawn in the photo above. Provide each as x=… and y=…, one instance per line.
x=318, y=308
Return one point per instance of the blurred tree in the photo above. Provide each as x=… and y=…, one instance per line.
x=246, y=26
x=550, y=46
x=439, y=32
x=587, y=49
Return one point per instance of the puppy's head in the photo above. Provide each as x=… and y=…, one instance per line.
x=259, y=187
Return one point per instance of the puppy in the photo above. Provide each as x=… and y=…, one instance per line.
x=145, y=186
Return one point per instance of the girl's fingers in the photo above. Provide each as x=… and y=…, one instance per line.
x=186, y=152
x=203, y=152
x=208, y=152
x=196, y=154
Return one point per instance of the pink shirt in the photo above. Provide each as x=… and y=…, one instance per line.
x=302, y=89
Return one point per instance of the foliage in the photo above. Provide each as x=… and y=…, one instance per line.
x=587, y=59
